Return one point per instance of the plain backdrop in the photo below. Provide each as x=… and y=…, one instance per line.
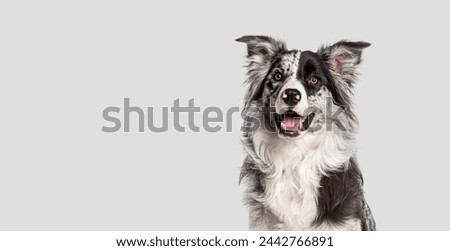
x=63, y=62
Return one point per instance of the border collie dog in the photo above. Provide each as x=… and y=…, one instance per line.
x=301, y=171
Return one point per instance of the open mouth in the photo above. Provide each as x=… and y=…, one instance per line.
x=292, y=124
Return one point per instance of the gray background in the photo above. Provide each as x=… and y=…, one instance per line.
x=62, y=63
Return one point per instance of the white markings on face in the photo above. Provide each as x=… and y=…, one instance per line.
x=291, y=63
x=299, y=108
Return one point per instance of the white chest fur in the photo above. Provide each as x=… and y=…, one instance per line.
x=291, y=188
x=296, y=169
x=292, y=198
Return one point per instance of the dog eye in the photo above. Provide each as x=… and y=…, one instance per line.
x=277, y=76
x=313, y=81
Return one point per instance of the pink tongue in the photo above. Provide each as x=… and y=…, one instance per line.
x=291, y=124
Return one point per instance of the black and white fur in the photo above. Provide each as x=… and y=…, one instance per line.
x=301, y=170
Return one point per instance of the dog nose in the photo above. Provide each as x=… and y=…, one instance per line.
x=291, y=96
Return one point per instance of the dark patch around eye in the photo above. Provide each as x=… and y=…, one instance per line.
x=312, y=65
x=313, y=80
x=309, y=68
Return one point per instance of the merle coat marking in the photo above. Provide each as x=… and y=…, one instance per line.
x=301, y=170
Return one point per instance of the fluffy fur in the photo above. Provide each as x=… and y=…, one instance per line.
x=299, y=132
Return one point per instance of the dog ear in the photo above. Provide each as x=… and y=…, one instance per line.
x=262, y=46
x=342, y=58
x=260, y=51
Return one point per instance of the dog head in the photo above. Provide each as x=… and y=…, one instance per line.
x=287, y=84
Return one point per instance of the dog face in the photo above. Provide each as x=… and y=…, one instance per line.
x=289, y=83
